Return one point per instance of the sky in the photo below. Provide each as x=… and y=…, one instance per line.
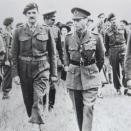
x=15, y=8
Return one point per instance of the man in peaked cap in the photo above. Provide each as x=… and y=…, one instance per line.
x=115, y=43
x=7, y=78
x=49, y=19
x=83, y=59
x=34, y=58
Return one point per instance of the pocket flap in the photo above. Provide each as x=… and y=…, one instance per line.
x=24, y=38
x=42, y=37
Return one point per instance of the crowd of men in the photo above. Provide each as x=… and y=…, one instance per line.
x=38, y=56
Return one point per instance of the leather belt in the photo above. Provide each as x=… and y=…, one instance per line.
x=118, y=46
x=24, y=58
x=86, y=63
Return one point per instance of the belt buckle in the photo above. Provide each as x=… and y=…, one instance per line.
x=29, y=58
x=81, y=63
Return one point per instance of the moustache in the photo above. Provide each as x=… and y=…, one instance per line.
x=32, y=18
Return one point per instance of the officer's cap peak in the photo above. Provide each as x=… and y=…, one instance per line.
x=49, y=14
x=80, y=13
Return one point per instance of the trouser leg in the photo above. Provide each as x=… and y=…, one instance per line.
x=76, y=97
x=83, y=102
x=26, y=86
x=89, y=97
x=114, y=60
x=7, y=79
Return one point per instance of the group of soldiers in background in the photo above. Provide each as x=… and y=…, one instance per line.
x=39, y=56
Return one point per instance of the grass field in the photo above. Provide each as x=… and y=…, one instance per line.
x=112, y=113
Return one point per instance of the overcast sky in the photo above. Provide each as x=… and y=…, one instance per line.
x=15, y=8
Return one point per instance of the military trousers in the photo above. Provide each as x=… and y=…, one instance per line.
x=7, y=79
x=116, y=58
x=83, y=103
x=34, y=78
x=52, y=90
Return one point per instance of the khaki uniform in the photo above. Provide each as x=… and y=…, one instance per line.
x=34, y=58
x=115, y=43
x=85, y=57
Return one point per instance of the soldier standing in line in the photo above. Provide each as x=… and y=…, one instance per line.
x=83, y=60
x=115, y=43
x=34, y=59
x=49, y=19
x=7, y=78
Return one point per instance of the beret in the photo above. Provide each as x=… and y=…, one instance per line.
x=124, y=21
x=100, y=15
x=30, y=6
x=8, y=21
x=79, y=13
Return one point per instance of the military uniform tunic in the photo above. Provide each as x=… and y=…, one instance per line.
x=85, y=57
x=84, y=77
x=34, y=58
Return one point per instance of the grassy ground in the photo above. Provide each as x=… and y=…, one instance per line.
x=112, y=113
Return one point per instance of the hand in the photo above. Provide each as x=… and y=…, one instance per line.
x=16, y=80
x=66, y=68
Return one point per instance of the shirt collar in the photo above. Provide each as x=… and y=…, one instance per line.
x=32, y=26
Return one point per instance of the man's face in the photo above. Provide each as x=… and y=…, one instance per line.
x=122, y=25
x=50, y=21
x=32, y=16
x=101, y=18
x=11, y=25
x=113, y=21
x=80, y=24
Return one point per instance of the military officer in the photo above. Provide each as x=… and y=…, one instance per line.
x=83, y=59
x=34, y=58
x=7, y=78
x=115, y=43
x=49, y=19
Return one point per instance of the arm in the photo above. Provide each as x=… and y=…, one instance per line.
x=51, y=47
x=106, y=43
x=99, y=53
x=66, y=53
x=15, y=53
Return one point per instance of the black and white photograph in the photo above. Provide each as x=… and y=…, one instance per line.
x=65, y=65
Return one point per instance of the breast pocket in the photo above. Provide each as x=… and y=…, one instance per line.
x=41, y=41
x=91, y=45
x=24, y=43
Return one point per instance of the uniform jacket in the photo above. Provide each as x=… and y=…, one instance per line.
x=56, y=34
x=37, y=44
x=83, y=77
x=114, y=37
